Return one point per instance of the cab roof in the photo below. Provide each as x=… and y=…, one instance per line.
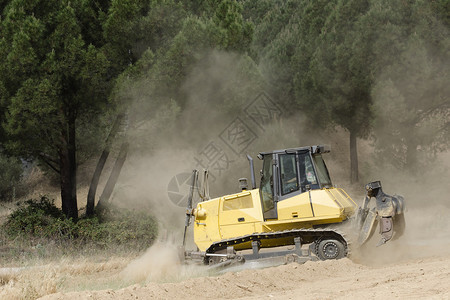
x=312, y=149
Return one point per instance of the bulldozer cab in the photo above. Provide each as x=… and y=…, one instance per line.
x=290, y=172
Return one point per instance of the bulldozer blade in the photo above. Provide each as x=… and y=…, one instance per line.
x=389, y=211
x=367, y=227
x=386, y=230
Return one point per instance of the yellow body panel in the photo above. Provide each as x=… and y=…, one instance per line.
x=297, y=207
x=324, y=207
x=241, y=214
x=344, y=200
x=206, y=228
x=237, y=220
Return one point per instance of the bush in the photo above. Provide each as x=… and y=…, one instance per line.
x=42, y=219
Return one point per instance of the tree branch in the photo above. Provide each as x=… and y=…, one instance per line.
x=49, y=163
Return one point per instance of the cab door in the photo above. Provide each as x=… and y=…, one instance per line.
x=294, y=199
x=268, y=187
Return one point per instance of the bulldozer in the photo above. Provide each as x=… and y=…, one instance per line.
x=296, y=214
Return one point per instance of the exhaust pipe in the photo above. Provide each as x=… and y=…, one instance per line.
x=252, y=171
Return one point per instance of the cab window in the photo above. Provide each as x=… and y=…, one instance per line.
x=267, y=184
x=307, y=172
x=289, y=173
x=322, y=171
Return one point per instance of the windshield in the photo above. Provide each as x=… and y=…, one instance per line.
x=322, y=171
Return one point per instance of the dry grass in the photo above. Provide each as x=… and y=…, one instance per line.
x=98, y=270
x=39, y=277
x=65, y=274
x=30, y=272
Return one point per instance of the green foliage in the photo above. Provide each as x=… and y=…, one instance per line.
x=236, y=32
x=155, y=84
x=362, y=65
x=41, y=219
x=35, y=218
x=51, y=73
x=278, y=39
x=341, y=68
x=378, y=68
x=411, y=93
x=133, y=27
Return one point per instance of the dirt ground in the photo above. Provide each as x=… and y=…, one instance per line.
x=343, y=279
x=400, y=269
x=411, y=267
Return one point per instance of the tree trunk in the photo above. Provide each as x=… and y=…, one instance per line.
x=100, y=165
x=68, y=170
x=66, y=187
x=112, y=180
x=353, y=158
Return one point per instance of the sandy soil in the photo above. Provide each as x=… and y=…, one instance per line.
x=418, y=278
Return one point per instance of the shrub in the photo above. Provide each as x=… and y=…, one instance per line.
x=34, y=218
x=42, y=219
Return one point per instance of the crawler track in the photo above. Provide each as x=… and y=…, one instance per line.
x=307, y=236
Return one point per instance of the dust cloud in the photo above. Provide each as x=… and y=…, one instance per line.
x=427, y=216
x=175, y=140
x=221, y=89
x=162, y=262
x=410, y=150
x=159, y=263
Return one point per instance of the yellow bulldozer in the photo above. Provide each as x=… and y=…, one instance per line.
x=296, y=214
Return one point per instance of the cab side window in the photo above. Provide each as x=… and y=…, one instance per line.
x=289, y=173
x=267, y=185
